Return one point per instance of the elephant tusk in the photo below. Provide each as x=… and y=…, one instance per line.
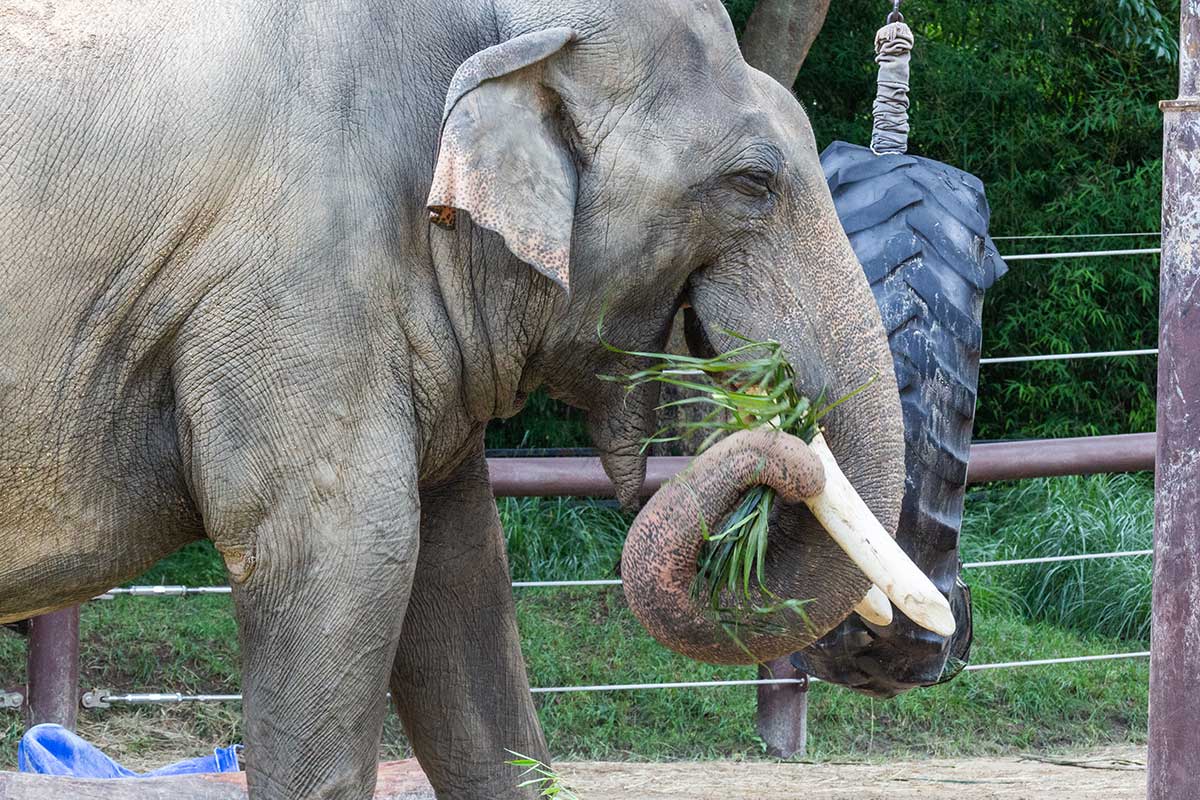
x=851, y=524
x=875, y=608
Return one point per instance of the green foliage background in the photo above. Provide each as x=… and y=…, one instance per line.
x=1053, y=104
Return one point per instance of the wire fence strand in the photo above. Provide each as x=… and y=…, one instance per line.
x=1066, y=660
x=158, y=698
x=1137, y=251
x=548, y=584
x=1055, y=559
x=1147, y=351
x=1073, y=236
x=182, y=591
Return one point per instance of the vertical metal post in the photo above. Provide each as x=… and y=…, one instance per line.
x=782, y=719
x=52, y=667
x=1173, y=769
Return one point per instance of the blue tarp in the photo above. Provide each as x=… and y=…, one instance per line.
x=54, y=750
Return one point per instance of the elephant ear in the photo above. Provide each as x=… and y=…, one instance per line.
x=502, y=157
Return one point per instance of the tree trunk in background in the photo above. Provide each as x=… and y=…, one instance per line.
x=779, y=34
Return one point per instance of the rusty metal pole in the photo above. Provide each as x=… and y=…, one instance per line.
x=575, y=476
x=782, y=718
x=1173, y=768
x=52, y=668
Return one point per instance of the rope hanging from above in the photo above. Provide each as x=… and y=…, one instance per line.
x=893, y=47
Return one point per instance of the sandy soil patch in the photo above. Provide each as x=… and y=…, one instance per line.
x=1110, y=774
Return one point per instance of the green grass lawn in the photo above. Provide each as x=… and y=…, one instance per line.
x=587, y=636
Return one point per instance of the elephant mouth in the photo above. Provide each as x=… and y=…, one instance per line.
x=885, y=663
x=660, y=558
x=695, y=335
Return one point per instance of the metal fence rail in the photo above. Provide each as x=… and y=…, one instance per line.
x=1009, y=562
x=989, y=461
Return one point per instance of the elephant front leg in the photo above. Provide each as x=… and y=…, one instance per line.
x=459, y=681
x=320, y=597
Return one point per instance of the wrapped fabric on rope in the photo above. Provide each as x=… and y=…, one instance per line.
x=893, y=48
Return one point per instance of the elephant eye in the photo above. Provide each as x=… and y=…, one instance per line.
x=752, y=183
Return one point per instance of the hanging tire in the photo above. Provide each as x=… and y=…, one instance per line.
x=919, y=227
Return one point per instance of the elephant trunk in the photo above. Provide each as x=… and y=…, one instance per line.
x=660, y=556
x=820, y=309
x=663, y=547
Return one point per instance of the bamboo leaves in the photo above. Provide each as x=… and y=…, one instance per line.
x=747, y=387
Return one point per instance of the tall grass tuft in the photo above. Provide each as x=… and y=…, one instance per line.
x=1065, y=516
x=562, y=539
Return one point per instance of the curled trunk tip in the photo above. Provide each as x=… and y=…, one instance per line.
x=659, y=563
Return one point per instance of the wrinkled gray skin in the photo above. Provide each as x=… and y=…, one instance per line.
x=224, y=313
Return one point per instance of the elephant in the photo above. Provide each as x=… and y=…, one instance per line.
x=268, y=269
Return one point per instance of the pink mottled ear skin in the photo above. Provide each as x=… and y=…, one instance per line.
x=501, y=157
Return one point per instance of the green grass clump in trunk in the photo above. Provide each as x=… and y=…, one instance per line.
x=747, y=387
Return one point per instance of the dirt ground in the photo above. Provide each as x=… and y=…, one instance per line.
x=1110, y=774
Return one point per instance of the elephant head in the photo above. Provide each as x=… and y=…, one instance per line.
x=648, y=169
